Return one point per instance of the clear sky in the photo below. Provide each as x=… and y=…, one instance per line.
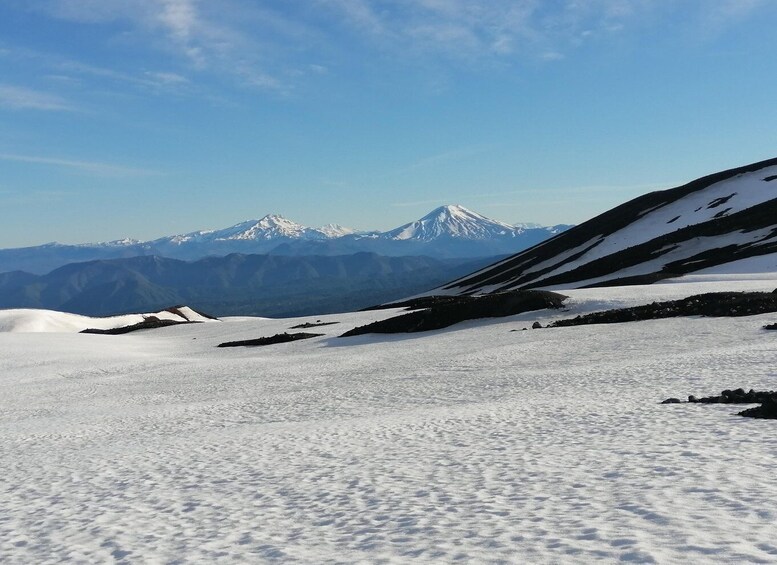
x=143, y=118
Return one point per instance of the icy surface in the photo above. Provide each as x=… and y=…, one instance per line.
x=471, y=444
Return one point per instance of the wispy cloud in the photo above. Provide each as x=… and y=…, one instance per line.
x=509, y=29
x=91, y=167
x=724, y=13
x=269, y=45
x=21, y=98
x=222, y=37
x=486, y=28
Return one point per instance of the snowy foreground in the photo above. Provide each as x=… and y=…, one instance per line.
x=471, y=444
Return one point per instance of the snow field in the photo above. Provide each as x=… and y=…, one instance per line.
x=471, y=444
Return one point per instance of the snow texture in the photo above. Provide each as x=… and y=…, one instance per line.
x=470, y=444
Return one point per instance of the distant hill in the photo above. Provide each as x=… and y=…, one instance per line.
x=725, y=221
x=446, y=232
x=263, y=285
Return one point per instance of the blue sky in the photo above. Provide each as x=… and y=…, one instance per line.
x=142, y=118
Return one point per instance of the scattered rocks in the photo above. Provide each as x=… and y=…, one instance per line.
x=737, y=396
x=277, y=338
x=315, y=324
x=536, y=326
x=710, y=304
x=767, y=399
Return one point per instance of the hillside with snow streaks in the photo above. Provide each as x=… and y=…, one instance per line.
x=722, y=218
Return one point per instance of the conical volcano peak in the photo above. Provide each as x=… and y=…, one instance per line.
x=452, y=221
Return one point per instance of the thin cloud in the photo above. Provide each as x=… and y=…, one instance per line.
x=485, y=28
x=205, y=36
x=93, y=167
x=21, y=98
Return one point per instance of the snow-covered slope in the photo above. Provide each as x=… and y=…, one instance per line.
x=48, y=321
x=475, y=444
x=725, y=217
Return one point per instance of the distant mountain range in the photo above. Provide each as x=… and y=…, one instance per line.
x=725, y=222
x=446, y=232
x=263, y=285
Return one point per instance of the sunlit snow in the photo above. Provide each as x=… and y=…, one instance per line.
x=475, y=443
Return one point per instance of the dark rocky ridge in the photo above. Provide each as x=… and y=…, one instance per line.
x=149, y=323
x=440, y=312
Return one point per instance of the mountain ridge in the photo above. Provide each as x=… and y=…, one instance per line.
x=449, y=231
x=237, y=284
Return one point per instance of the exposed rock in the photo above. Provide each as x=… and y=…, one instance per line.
x=709, y=304
x=315, y=324
x=149, y=323
x=443, y=311
x=767, y=399
x=767, y=410
x=536, y=326
x=277, y=338
x=737, y=396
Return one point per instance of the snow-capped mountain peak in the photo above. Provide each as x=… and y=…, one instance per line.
x=335, y=230
x=272, y=226
x=452, y=221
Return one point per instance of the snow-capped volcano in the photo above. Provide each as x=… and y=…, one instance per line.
x=453, y=221
x=728, y=218
x=446, y=232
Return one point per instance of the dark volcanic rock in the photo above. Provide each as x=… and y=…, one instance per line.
x=443, y=311
x=767, y=399
x=277, y=338
x=149, y=323
x=770, y=327
x=710, y=304
x=738, y=396
x=315, y=324
x=767, y=410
